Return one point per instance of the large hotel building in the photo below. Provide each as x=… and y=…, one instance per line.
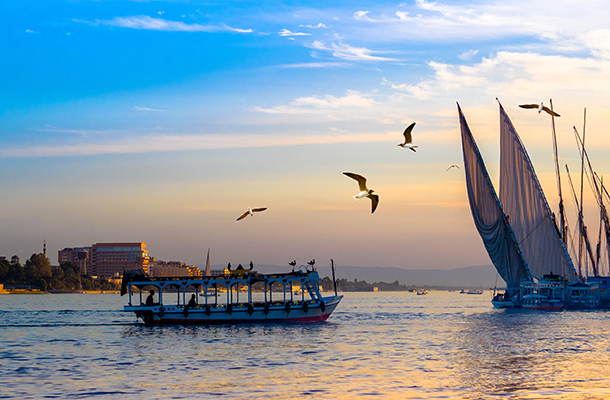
x=107, y=259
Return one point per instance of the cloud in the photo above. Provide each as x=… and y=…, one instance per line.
x=347, y=52
x=320, y=25
x=157, y=24
x=286, y=32
x=315, y=65
x=305, y=105
x=467, y=55
x=430, y=21
x=30, y=31
x=165, y=143
x=363, y=16
x=513, y=74
x=146, y=109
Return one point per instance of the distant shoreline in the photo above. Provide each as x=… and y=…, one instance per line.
x=34, y=291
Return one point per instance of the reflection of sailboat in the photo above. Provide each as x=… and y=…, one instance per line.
x=518, y=228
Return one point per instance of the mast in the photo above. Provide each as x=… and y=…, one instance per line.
x=599, y=192
x=580, y=219
x=562, y=220
x=599, y=234
x=606, y=221
x=584, y=237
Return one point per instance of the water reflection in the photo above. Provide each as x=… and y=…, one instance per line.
x=385, y=345
x=526, y=353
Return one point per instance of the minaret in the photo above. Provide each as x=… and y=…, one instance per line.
x=44, y=248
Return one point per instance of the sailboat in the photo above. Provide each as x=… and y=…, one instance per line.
x=517, y=227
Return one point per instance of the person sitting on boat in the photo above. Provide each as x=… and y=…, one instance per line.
x=192, y=302
x=150, y=300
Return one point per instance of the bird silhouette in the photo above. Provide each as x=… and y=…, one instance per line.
x=541, y=107
x=364, y=191
x=408, y=138
x=451, y=166
x=251, y=212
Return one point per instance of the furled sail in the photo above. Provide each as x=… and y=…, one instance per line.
x=488, y=215
x=526, y=208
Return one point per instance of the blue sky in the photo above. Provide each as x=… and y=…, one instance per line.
x=163, y=121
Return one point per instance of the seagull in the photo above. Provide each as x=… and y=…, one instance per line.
x=451, y=166
x=364, y=192
x=408, y=138
x=251, y=212
x=540, y=107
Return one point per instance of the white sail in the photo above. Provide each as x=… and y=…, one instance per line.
x=488, y=215
x=527, y=209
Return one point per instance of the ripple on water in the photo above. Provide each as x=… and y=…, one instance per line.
x=383, y=345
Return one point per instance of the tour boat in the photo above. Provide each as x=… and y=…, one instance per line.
x=547, y=294
x=268, y=298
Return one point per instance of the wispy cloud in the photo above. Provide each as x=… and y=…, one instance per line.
x=146, y=109
x=320, y=25
x=467, y=55
x=347, y=52
x=304, y=105
x=157, y=24
x=168, y=143
x=316, y=65
x=286, y=32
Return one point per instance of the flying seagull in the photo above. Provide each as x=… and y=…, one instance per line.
x=364, y=191
x=251, y=212
x=451, y=166
x=408, y=138
x=541, y=107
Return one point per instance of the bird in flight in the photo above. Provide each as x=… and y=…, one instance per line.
x=451, y=166
x=408, y=138
x=541, y=107
x=251, y=212
x=364, y=191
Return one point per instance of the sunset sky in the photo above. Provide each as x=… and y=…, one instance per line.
x=162, y=121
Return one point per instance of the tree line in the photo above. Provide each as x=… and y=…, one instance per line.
x=347, y=286
x=38, y=272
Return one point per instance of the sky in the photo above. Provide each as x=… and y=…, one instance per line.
x=163, y=121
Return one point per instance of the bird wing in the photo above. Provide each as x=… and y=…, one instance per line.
x=551, y=112
x=259, y=209
x=407, y=133
x=361, y=180
x=374, y=201
x=242, y=216
x=529, y=105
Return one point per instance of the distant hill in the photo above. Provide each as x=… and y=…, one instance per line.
x=482, y=276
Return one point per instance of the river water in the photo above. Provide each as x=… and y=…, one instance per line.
x=376, y=345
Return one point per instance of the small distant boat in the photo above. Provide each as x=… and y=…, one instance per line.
x=474, y=292
x=261, y=302
x=422, y=292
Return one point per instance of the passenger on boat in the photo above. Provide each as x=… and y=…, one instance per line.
x=192, y=302
x=150, y=300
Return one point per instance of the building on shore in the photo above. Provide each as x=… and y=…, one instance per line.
x=78, y=256
x=107, y=259
x=169, y=269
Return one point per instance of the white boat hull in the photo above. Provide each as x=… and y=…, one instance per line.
x=276, y=313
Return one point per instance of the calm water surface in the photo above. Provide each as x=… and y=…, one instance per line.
x=375, y=345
